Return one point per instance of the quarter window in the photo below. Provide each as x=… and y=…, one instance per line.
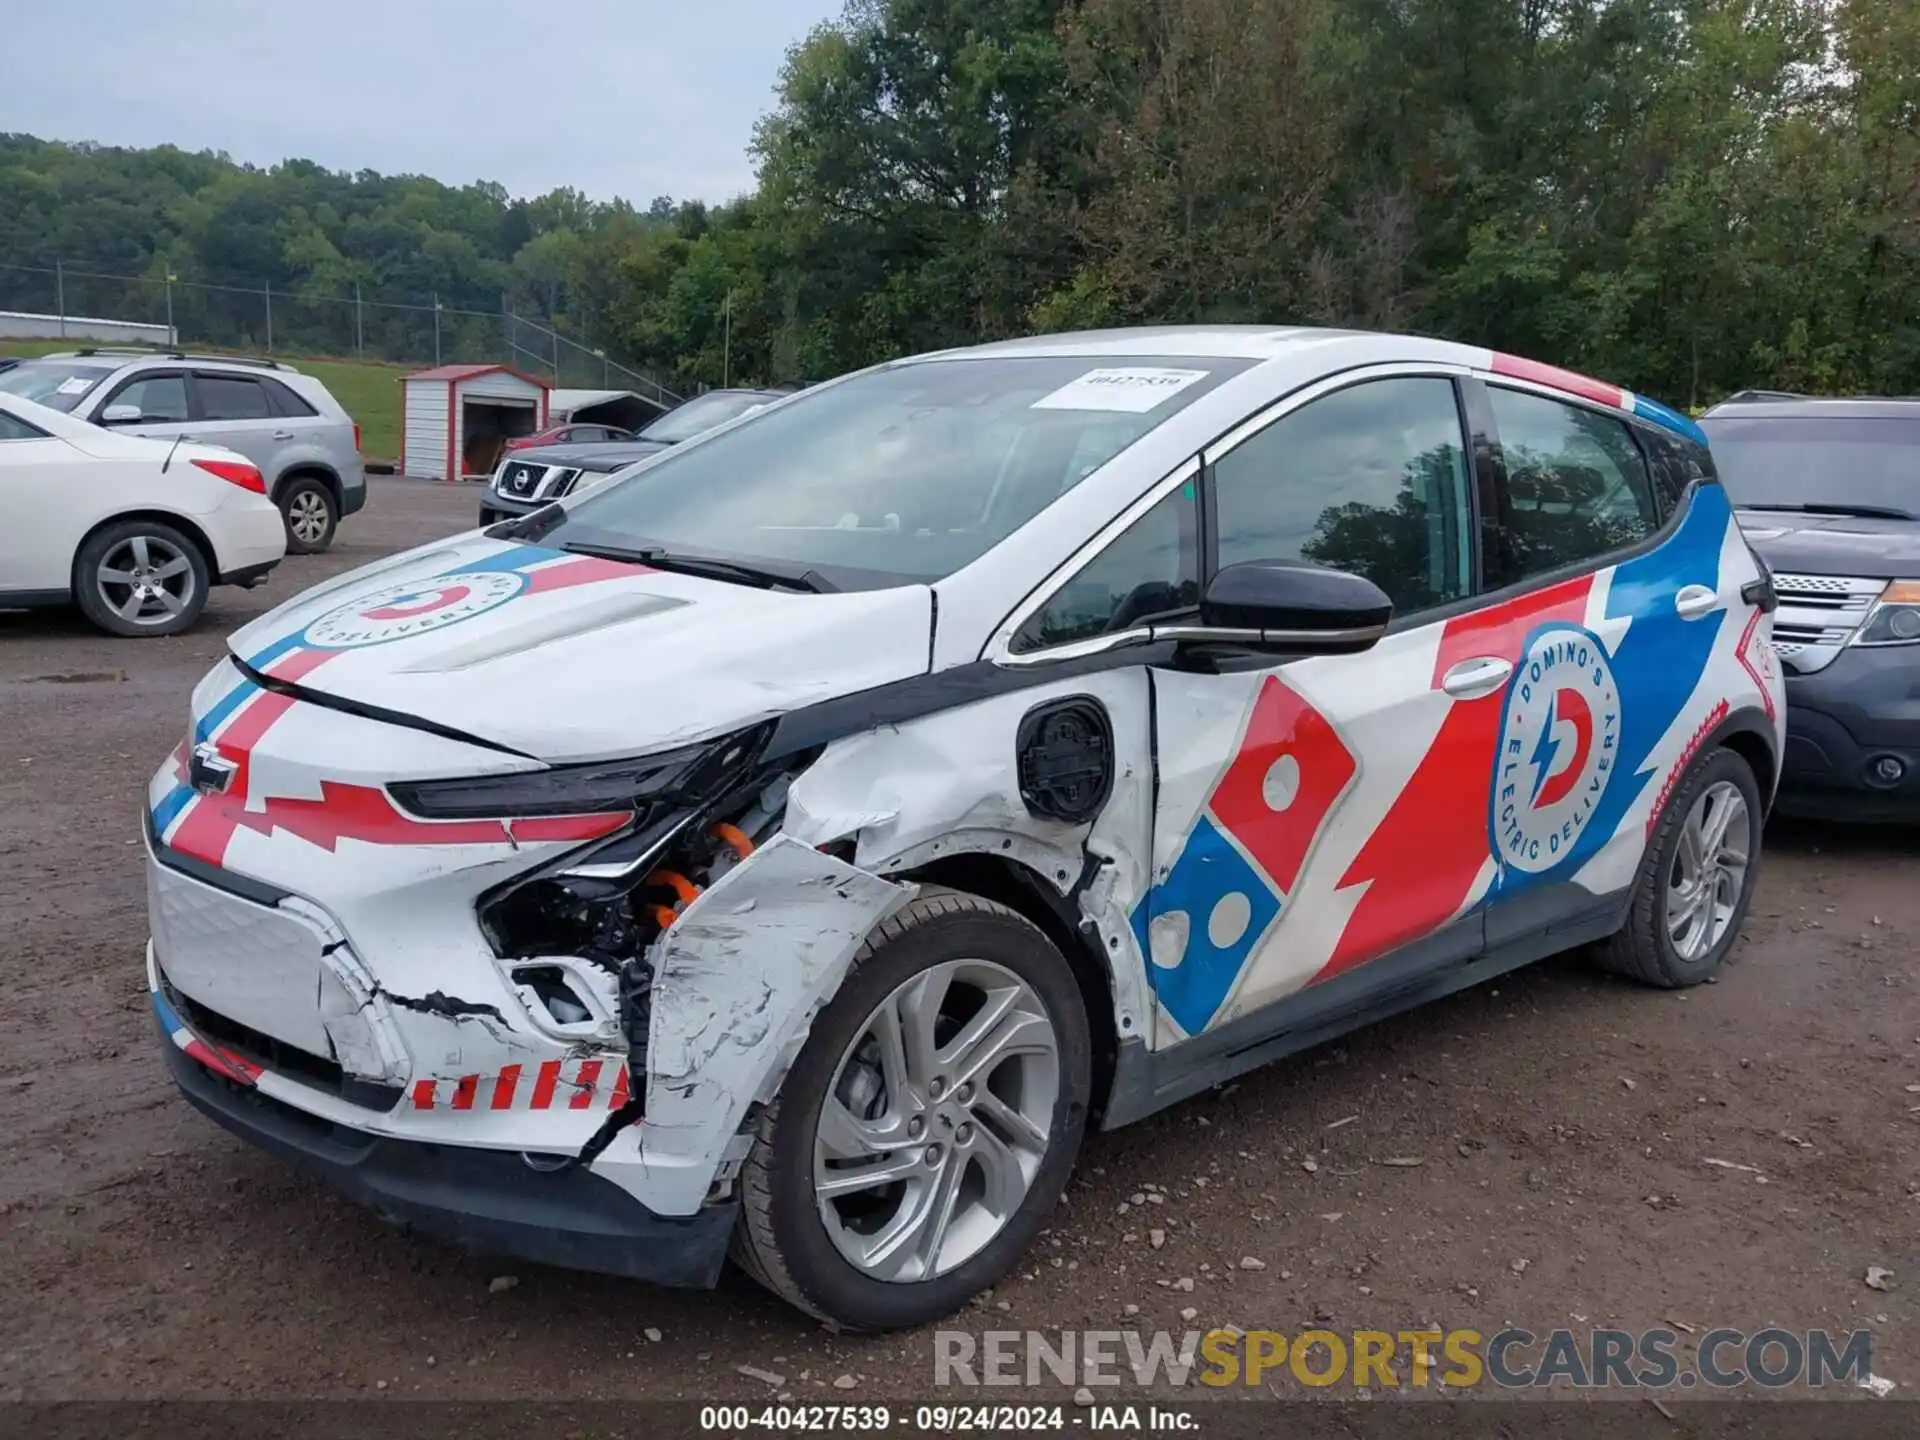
x=285, y=402
x=1150, y=570
x=1371, y=479
x=1577, y=485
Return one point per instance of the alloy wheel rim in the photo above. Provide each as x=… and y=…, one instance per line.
x=307, y=515
x=937, y=1119
x=145, y=580
x=1709, y=870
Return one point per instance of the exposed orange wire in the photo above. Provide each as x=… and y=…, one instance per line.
x=680, y=884
x=734, y=836
x=663, y=917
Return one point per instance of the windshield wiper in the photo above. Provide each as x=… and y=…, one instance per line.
x=739, y=572
x=1835, y=507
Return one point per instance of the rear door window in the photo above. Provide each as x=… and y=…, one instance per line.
x=232, y=397
x=1578, y=487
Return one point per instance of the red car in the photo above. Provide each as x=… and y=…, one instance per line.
x=569, y=434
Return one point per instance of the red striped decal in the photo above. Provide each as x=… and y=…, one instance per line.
x=504, y=1086
x=589, y=1075
x=224, y=1062
x=423, y=1094
x=619, y=1089
x=463, y=1092
x=1556, y=378
x=543, y=1086
x=1420, y=863
x=586, y=570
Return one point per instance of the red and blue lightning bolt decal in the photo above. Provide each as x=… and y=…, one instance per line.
x=203, y=825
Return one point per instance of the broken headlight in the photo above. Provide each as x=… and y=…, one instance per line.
x=580, y=789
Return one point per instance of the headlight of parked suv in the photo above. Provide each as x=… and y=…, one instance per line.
x=1895, y=617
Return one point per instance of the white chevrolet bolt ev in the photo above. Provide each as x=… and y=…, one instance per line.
x=790, y=849
x=133, y=531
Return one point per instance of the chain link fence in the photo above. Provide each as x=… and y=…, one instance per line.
x=264, y=321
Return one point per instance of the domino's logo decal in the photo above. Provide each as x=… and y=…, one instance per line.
x=1559, y=748
x=414, y=608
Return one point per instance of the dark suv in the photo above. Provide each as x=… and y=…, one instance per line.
x=1828, y=492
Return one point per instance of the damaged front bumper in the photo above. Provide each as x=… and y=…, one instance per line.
x=543, y=1209
x=465, y=1116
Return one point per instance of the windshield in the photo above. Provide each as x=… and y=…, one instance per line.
x=57, y=384
x=1817, y=460
x=700, y=415
x=900, y=475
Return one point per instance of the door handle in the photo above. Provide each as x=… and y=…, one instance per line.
x=1471, y=679
x=283, y=434
x=1693, y=601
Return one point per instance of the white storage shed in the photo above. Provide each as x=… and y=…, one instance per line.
x=456, y=418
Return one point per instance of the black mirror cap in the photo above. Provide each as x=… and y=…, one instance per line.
x=1283, y=595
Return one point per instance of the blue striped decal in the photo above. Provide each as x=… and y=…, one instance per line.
x=168, y=1020
x=1668, y=418
x=218, y=713
x=285, y=645
x=169, y=808
x=517, y=557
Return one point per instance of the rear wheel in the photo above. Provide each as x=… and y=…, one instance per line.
x=311, y=515
x=1697, y=879
x=929, y=1123
x=140, y=577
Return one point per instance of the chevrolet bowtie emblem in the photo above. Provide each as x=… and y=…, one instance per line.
x=208, y=771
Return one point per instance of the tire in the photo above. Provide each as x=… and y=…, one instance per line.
x=140, y=578
x=1646, y=948
x=311, y=513
x=784, y=1239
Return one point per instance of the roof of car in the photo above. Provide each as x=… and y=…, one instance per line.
x=116, y=356
x=1779, y=405
x=1252, y=342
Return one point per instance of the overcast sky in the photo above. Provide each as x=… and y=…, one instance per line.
x=632, y=98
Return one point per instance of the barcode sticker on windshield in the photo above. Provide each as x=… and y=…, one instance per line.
x=75, y=385
x=1134, y=389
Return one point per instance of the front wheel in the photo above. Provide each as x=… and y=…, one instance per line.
x=929, y=1124
x=1697, y=879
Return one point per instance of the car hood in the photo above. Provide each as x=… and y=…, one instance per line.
x=602, y=455
x=1802, y=544
x=569, y=657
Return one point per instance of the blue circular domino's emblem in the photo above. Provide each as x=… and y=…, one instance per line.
x=414, y=607
x=1559, y=744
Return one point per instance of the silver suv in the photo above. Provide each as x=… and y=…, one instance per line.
x=283, y=420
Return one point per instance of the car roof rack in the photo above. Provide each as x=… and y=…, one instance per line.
x=1740, y=396
x=133, y=353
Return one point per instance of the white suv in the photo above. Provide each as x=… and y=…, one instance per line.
x=283, y=420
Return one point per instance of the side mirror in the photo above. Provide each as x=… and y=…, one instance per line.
x=1301, y=609
x=120, y=415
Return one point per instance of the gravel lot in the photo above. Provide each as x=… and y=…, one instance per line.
x=1562, y=1122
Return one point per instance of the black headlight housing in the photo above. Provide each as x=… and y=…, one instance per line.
x=689, y=773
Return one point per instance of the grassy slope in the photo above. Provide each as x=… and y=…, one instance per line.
x=367, y=390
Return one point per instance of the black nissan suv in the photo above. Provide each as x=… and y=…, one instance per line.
x=1828, y=492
